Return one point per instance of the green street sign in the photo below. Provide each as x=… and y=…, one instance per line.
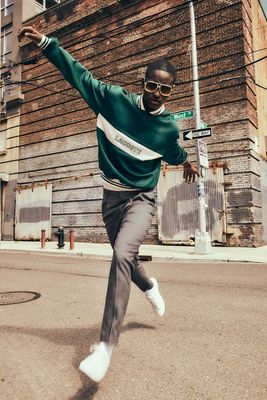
x=183, y=115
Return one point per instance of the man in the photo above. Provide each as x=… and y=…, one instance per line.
x=134, y=133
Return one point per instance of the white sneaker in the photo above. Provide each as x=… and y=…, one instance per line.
x=153, y=295
x=96, y=365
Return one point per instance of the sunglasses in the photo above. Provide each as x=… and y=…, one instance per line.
x=152, y=87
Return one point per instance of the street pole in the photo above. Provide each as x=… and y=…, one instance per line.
x=202, y=237
x=0, y=120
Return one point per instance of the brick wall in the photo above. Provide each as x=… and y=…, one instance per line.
x=116, y=40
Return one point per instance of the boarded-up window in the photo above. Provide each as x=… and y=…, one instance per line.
x=3, y=141
x=178, y=206
x=33, y=212
x=3, y=133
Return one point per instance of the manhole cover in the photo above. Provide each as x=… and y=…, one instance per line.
x=17, y=297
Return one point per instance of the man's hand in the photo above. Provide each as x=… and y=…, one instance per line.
x=190, y=172
x=31, y=33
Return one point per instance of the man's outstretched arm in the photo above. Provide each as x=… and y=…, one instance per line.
x=92, y=90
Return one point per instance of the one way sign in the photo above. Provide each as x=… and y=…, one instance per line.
x=196, y=133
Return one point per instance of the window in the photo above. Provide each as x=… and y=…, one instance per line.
x=6, y=7
x=6, y=43
x=3, y=134
x=41, y=5
x=2, y=142
x=5, y=85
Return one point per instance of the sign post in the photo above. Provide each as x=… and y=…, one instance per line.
x=202, y=237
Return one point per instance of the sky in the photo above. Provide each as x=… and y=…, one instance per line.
x=264, y=6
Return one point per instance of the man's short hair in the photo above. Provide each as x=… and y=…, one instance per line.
x=164, y=65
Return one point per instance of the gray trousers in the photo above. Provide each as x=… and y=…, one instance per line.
x=127, y=217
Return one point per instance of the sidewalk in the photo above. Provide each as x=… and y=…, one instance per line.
x=158, y=252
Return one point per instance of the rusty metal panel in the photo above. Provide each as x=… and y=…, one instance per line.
x=178, y=206
x=33, y=212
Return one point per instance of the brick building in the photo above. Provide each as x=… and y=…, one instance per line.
x=57, y=149
x=13, y=12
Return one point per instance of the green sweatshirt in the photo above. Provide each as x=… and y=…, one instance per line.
x=131, y=141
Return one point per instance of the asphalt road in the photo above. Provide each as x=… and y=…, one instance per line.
x=211, y=345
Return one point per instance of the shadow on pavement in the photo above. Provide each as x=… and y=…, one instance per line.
x=81, y=339
x=87, y=392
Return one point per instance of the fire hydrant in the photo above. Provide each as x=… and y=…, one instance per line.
x=60, y=237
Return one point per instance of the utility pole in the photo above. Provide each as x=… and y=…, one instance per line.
x=0, y=120
x=202, y=237
x=2, y=82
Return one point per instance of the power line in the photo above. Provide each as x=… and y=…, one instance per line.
x=120, y=82
x=190, y=81
x=123, y=82
x=184, y=93
x=39, y=86
x=237, y=77
x=258, y=27
x=34, y=60
x=144, y=20
x=149, y=18
x=212, y=84
x=189, y=93
x=182, y=6
x=260, y=86
x=129, y=27
x=179, y=83
x=255, y=51
x=117, y=81
x=29, y=82
x=225, y=72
